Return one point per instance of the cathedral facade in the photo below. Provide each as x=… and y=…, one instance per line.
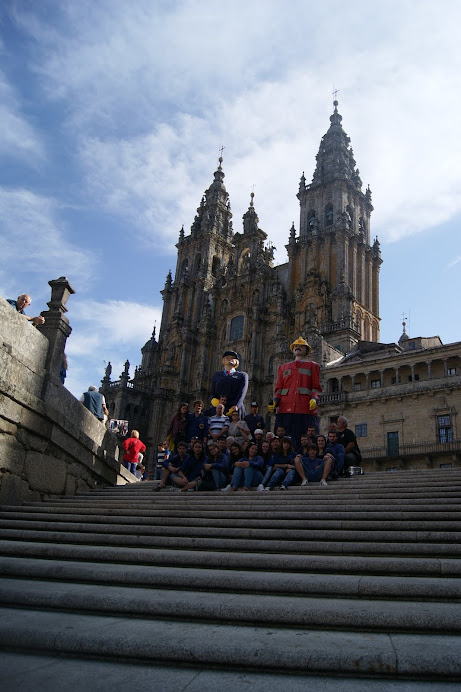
x=227, y=293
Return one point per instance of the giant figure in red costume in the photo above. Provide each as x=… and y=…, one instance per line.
x=296, y=392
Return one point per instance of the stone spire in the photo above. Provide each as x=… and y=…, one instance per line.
x=335, y=158
x=250, y=218
x=214, y=214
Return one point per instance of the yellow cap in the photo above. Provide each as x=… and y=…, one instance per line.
x=300, y=342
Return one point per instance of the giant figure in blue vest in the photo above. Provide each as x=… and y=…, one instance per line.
x=231, y=383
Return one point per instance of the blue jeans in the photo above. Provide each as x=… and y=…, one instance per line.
x=316, y=475
x=219, y=478
x=130, y=466
x=251, y=477
x=283, y=477
x=267, y=475
x=158, y=473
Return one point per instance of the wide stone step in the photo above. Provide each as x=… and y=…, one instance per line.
x=358, y=531
x=194, y=579
x=29, y=672
x=382, y=522
x=294, y=649
x=332, y=542
x=230, y=607
x=312, y=489
x=403, y=564
x=293, y=493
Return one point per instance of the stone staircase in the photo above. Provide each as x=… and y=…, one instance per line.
x=351, y=587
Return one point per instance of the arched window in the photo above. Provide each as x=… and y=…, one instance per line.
x=184, y=267
x=215, y=266
x=236, y=328
x=197, y=263
x=350, y=212
x=329, y=215
x=224, y=306
x=271, y=366
x=311, y=218
x=245, y=260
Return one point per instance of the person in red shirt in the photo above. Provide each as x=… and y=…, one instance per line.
x=132, y=446
x=296, y=392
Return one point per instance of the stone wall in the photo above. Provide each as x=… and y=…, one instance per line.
x=50, y=444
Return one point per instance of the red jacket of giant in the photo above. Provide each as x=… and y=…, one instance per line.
x=296, y=383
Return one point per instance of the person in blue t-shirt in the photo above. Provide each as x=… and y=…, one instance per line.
x=283, y=464
x=337, y=449
x=20, y=304
x=171, y=465
x=311, y=469
x=248, y=470
x=197, y=423
x=189, y=476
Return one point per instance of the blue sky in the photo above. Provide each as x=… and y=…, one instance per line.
x=113, y=114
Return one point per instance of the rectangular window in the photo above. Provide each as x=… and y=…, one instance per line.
x=236, y=328
x=393, y=443
x=357, y=387
x=361, y=430
x=375, y=384
x=392, y=469
x=451, y=371
x=445, y=466
x=445, y=431
x=412, y=345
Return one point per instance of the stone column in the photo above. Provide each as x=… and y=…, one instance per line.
x=56, y=327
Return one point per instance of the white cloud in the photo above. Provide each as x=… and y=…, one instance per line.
x=115, y=321
x=33, y=235
x=153, y=89
x=18, y=139
x=109, y=330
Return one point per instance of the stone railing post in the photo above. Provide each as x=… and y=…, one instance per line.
x=56, y=327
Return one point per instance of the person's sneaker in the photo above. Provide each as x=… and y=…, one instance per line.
x=260, y=487
x=224, y=490
x=267, y=488
x=324, y=483
x=283, y=487
x=305, y=482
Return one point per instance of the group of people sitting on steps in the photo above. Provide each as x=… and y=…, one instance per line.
x=210, y=451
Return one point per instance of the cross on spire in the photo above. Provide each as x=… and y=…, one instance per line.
x=335, y=92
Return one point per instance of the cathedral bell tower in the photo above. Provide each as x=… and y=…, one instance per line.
x=335, y=275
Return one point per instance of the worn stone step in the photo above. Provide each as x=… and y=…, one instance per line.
x=382, y=522
x=295, y=650
x=312, y=489
x=421, y=512
x=404, y=565
x=306, y=493
x=194, y=579
x=223, y=606
x=28, y=673
x=280, y=508
x=335, y=543
x=397, y=531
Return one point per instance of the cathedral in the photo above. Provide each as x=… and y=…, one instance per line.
x=227, y=293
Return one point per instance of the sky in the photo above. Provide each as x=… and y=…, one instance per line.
x=113, y=114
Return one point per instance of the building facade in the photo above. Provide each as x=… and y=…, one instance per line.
x=227, y=293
